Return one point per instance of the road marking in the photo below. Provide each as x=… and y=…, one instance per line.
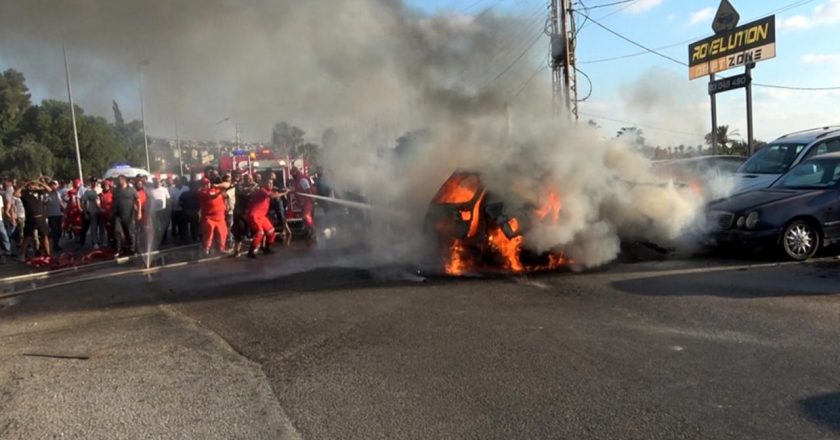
x=141, y=271
x=115, y=261
x=701, y=270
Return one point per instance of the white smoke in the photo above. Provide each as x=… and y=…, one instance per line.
x=373, y=70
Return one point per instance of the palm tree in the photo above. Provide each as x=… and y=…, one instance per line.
x=724, y=139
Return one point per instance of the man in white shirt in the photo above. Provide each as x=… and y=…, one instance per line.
x=159, y=201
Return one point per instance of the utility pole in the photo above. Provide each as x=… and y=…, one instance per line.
x=178, y=148
x=72, y=109
x=143, y=117
x=564, y=76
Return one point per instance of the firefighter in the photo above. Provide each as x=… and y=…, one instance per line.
x=239, y=229
x=258, y=219
x=301, y=185
x=211, y=199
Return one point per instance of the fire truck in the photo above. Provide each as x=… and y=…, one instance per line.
x=265, y=161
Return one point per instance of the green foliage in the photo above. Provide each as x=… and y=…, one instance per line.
x=309, y=152
x=45, y=133
x=27, y=160
x=286, y=138
x=14, y=101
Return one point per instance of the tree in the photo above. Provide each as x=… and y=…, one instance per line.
x=286, y=138
x=329, y=139
x=309, y=152
x=27, y=160
x=724, y=139
x=119, y=122
x=14, y=101
x=632, y=135
x=100, y=145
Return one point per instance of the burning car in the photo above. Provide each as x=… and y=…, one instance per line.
x=478, y=231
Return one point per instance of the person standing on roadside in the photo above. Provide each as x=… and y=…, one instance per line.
x=144, y=233
x=106, y=208
x=4, y=233
x=33, y=196
x=92, y=223
x=159, y=211
x=73, y=209
x=9, y=215
x=190, y=206
x=230, y=203
x=178, y=220
x=127, y=213
x=55, y=214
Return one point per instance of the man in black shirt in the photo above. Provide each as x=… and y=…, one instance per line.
x=126, y=213
x=32, y=195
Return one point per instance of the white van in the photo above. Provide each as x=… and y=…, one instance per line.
x=124, y=170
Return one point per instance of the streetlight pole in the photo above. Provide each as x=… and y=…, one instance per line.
x=143, y=117
x=72, y=110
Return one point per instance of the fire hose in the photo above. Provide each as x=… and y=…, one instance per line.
x=351, y=204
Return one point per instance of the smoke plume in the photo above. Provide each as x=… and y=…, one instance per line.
x=372, y=70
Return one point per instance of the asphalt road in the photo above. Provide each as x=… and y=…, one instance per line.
x=702, y=348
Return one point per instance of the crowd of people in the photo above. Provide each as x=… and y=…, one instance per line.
x=126, y=215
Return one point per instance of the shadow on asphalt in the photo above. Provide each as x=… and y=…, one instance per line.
x=823, y=409
x=218, y=280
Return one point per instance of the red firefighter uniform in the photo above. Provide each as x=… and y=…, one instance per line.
x=212, y=203
x=258, y=219
x=302, y=185
x=72, y=221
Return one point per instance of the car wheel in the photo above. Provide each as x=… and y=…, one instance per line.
x=800, y=240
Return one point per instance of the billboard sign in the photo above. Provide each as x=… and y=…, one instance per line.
x=750, y=43
x=727, y=84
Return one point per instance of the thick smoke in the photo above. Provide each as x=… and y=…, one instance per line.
x=372, y=70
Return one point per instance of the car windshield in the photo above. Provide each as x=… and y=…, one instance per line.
x=772, y=159
x=813, y=174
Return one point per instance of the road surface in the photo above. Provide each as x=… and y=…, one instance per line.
x=694, y=349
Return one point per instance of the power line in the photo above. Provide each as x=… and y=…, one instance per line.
x=810, y=89
x=605, y=5
x=635, y=54
x=653, y=51
x=589, y=80
x=516, y=60
x=786, y=8
x=531, y=78
x=636, y=124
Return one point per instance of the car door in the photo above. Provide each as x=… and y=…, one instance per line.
x=831, y=219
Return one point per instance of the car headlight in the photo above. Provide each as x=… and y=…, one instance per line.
x=740, y=221
x=752, y=220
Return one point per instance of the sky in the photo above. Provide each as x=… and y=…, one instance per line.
x=647, y=91
x=807, y=56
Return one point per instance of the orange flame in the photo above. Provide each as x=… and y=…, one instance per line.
x=456, y=263
x=550, y=207
x=508, y=248
x=458, y=189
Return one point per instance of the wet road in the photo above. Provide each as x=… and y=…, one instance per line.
x=699, y=348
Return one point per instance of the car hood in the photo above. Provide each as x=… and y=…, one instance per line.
x=748, y=181
x=752, y=200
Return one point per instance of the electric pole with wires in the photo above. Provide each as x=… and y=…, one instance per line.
x=562, y=56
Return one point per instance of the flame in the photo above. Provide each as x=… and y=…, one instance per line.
x=508, y=248
x=458, y=189
x=456, y=263
x=550, y=207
